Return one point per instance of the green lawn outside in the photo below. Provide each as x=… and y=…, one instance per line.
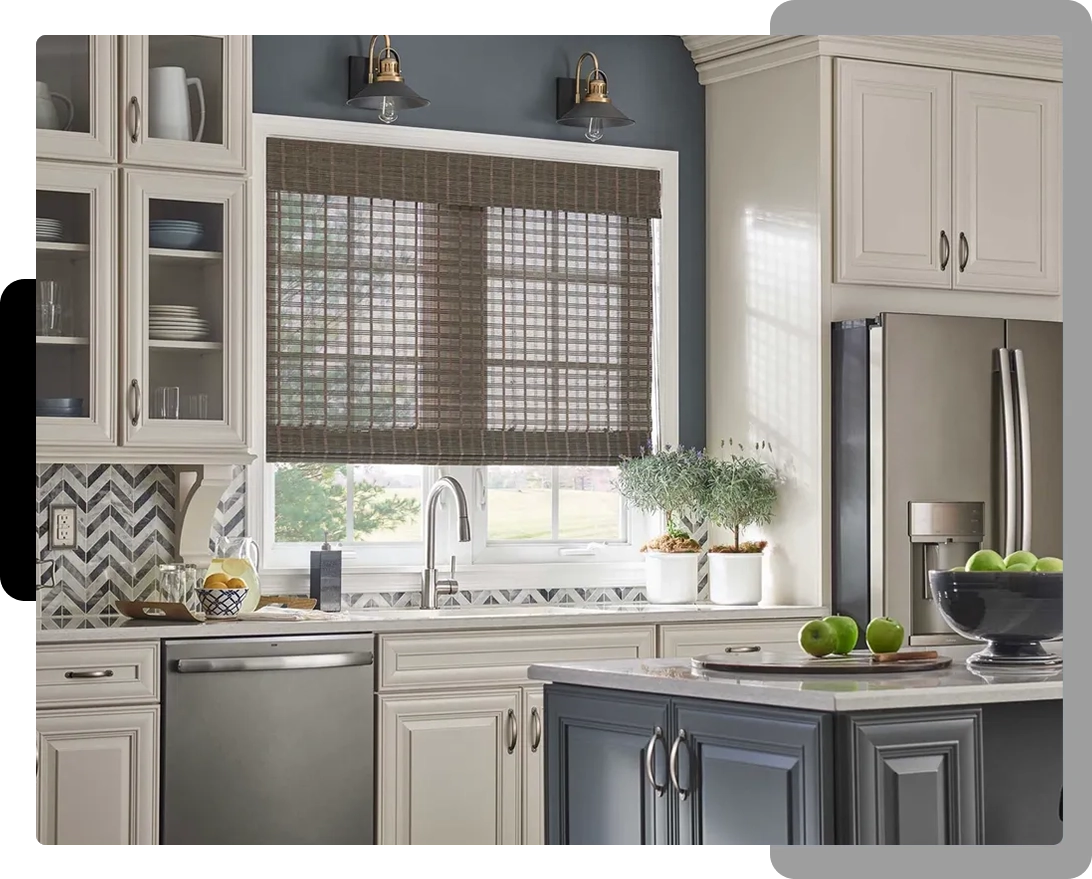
x=525, y=515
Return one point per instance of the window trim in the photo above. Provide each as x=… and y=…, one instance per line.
x=493, y=568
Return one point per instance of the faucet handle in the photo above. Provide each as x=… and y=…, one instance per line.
x=449, y=586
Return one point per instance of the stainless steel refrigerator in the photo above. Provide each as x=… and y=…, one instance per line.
x=947, y=438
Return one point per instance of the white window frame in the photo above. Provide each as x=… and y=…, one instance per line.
x=481, y=564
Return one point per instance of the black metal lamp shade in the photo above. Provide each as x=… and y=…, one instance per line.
x=607, y=114
x=399, y=95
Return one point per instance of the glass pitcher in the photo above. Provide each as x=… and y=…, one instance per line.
x=237, y=557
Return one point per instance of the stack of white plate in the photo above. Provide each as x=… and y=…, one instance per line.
x=48, y=230
x=177, y=323
x=175, y=234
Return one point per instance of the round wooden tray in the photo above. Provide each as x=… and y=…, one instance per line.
x=856, y=663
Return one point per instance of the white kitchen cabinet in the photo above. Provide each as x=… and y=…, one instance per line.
x=76, y=328
x=177, y=101
x=534, y=767
x=98, y=776
x=946, y=180
x=1008, y=184
x=186, y=101
x=449, y=769
x=183, y=387
x=76, y=93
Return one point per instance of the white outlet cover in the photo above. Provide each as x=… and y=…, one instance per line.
x=62, y=526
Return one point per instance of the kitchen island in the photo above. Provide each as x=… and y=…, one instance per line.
x=653, y=752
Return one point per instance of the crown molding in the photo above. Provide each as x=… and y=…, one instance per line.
x=725, y=57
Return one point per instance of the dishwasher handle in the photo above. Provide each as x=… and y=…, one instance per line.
x=274, y=663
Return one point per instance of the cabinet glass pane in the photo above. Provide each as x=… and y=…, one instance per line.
x=185, y=310
x=186, y=88
x=63, y=306
x=63, y=87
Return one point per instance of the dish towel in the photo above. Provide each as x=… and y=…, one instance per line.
x=287, y=614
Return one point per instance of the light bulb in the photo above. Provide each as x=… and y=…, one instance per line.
x=595, y=130
x=386, y=112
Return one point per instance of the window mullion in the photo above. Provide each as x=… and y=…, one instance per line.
x=555, y=505
x=350, y=524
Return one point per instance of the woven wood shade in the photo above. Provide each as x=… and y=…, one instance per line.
x=434, y=308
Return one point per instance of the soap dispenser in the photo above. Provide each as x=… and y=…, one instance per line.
x=326, y=577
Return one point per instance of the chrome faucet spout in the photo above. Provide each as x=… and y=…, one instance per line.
x=431, y=585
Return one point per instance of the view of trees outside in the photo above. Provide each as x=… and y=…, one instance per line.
x=312, y=500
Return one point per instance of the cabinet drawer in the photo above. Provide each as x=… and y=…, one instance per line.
x=415, y=661
x=97, y=674
x=682, y=641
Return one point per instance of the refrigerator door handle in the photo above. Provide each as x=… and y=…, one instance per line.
x=1008, y=419
x=1023, y=406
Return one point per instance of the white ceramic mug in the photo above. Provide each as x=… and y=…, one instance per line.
x=169, y=104
x=47, y=110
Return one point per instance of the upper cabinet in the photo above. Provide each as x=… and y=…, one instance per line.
x=946, y=180
x=180, y=102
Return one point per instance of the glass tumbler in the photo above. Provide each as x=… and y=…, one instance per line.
x=170, y=583
x=52, y=309
x=165, y=403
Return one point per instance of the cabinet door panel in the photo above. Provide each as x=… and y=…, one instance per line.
x=893, y=180
x=534, y=790
x=446, y=775
x=98, y=777
x=1008, y=184
x=752, y=776
x=186, y=102
x=76, y=94
x=597, y=791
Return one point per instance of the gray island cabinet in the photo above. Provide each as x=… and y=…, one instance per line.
x=649, y=753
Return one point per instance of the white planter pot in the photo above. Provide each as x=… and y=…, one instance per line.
x=671, y=577
x=735, y=577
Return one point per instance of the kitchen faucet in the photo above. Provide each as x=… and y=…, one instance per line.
x=431, y=586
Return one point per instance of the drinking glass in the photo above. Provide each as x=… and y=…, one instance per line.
x=197, y=406
x=165, y=403
x=52, y=308
x=170, y=583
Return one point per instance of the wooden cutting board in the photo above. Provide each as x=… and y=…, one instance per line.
x=856, y=663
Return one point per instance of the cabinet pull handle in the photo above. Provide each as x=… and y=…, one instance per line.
x=964, y=251
x=945, y=250
x=536, y=730
x=673, y=765
x=81, y=675
x=134, y=119
x=512, y=733
x=134, y=387
x=650, y=757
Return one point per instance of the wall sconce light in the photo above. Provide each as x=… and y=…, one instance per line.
x=593, y=110
x=375, y=83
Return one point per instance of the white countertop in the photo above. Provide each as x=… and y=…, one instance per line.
x=54, y=630
x=956, y=685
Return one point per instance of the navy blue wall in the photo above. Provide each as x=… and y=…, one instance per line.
x=506, y=85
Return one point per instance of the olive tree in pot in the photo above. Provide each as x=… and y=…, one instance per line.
x=740, y=491
x=669, y=481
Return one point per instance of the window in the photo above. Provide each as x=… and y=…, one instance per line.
x=431, y=312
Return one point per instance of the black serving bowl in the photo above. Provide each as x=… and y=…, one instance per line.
x=1012, y=611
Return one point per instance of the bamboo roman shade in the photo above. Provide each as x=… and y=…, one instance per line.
x=437, y=308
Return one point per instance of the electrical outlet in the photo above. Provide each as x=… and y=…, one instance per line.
x=62, y=526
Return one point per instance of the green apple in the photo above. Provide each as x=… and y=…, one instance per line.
x=845, y=633
x=884, y=635
x=1049, y=565
x=958, y=569
x=1019, y=566
x=817, y=638
x=985, y=560
x=1020, y=557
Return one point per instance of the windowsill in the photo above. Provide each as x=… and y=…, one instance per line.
x=590, y=575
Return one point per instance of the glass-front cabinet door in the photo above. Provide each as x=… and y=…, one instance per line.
x=186, y=101
x=75, y=96
x=75, y=338
x=182, y=311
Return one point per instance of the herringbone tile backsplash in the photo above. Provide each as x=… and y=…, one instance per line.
x=125, y=530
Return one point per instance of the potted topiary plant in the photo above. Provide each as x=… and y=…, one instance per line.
x=669, y=481
x=740, y=491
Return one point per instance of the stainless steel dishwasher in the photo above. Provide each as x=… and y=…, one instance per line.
x=268, y=741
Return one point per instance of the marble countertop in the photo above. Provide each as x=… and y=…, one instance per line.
x=956, y=685
x=55, y=629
